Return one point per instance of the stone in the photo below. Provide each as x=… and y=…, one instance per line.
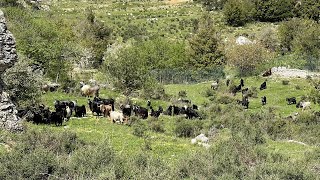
x=8, y=56
x=241, y=40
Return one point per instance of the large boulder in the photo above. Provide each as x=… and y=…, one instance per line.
x=8, y=56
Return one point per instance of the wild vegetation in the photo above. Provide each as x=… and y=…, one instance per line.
x=163, y=51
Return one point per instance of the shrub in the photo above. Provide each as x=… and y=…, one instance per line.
x=285, y=82
x=247, y=59
x=209, y=92
x=238, y=13
x=269, y=39
x=156, y=125
x=153, y=90
x=22, y=84
x=182, y=94
x=5, y=3
x=204, y=48
x=18, y=164
x=288, y=31
x=225, y=99
x=57, y=142
x=187, y=128
x=89, y=161
x=212, y=4
x=139, y=129
x=274, y=10
x=309, y=9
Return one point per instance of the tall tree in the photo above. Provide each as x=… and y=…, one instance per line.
x=204, y=50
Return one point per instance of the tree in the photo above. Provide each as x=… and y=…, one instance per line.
x=308, y=9
x=308, y=42
x=288, y=30
x=128, y=69
x=274, y=10
x=247, y=59
x=238, y=13
x=204, y=50
x=98, y=37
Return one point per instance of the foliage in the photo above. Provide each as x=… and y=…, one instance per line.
x=204, y=50
x=134, y=31
x=156, y=125
x=41, y=41
x=247, y=59
x=128, y=69
x=274, y=10
x=238, y=13
x=187, y=128
x=212, y=4
x=139, y=129
x=309, y=9
x=98, y=36
x=153, y=90
x=160, y=53
x=288, y=30
x=131, y=66
x=5, y=3
x=22, y=84
x=308, y=41
x=269, y=39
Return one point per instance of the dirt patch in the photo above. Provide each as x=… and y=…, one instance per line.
x=176, y=2
x=292, y=73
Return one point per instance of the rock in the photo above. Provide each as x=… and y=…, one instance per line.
x=241, y=40
x=8, y=56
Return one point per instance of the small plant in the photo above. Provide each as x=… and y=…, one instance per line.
x=285, y=82
x=139, y=129
x=225, y=99
x=182, y=94
x=209, y=92
x=186, y=128
x=156, y=126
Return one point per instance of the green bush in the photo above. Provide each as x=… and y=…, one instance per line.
x=139, y=129
x=288, y=31
x=225, y=99
x=238, y=13
x=11, y=3
x=212, y=4
x=90, y=161
x=209, y=92
x=22, y=84
x=285, y=82
x=156, y=125
x=37, y=164
x=248, y=59
x=187, y=128
x=274, y=10
x=182, y=94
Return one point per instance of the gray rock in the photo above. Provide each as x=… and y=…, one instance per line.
x=8, y=56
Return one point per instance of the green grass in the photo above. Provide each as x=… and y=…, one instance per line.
x=292, y=150
x=276, y=93
x=166, y=145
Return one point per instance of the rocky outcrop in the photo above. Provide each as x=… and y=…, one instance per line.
x=8, y=56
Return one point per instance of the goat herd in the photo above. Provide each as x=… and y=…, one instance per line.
x=246, y=94
x=65, y=109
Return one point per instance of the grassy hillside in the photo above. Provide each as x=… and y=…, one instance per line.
x=167, y=145
x=261, y=142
